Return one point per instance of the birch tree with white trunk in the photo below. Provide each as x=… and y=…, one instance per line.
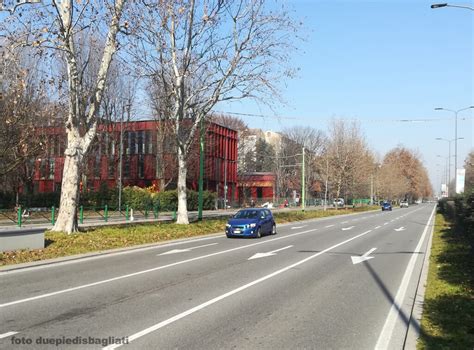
x=54, y=28
x=204, y=52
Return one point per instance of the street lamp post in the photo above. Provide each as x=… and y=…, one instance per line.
x=437, y=6
x=201, y=169
x=303, y=189
x=455, y=131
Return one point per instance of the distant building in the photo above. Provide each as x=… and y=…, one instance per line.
x=258, y=186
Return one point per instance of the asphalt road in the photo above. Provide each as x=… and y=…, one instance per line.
x=344, y=282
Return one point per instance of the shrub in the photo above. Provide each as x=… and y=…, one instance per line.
x=137, y=198
x=168, y=200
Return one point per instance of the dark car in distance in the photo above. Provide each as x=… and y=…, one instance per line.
x=386, y=206
x=251, y=222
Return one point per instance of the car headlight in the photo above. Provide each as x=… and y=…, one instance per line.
x=252, y=225
x=227, y=225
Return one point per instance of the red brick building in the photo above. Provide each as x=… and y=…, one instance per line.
x=148, y=158
x=258, y=186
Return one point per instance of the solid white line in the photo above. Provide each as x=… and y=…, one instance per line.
x=228, y=294
x=5, y=335
x=328, y=226
x=42, y=296
x=393, y=315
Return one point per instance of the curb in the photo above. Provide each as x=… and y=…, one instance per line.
x=117, y=251
x=414, y=325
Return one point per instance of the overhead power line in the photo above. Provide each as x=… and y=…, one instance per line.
x=392, y=120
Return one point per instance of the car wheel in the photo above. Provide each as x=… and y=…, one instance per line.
x=274, y=229
x=258, y=234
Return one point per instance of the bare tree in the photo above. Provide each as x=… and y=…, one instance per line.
x=205, y=52
x=56, y=28
x=349, y=158
x=24, y=105
x=293, y=140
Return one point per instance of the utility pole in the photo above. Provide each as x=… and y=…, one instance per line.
x=226, y=140
x=326, y=186
x=371, y=189
x=201, y=169
x=120, y=163
x=302, y=185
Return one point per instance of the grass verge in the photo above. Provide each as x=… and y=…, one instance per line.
x=111, y=237
x=448, y=312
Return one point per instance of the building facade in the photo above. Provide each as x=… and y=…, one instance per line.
x=143, y=153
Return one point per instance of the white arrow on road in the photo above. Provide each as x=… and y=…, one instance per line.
x=174, y=251
x=400, y=229
x=264, y=255
x=348, y=228
x=359, y=259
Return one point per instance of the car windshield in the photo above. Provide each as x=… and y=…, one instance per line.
x=247, y=214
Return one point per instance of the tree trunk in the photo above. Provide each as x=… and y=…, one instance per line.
x=182, y=217
x=67, y=217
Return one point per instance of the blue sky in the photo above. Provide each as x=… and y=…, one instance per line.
x=379, y=62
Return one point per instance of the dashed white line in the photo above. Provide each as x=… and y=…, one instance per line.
x=328, y=226
x=378, y=227
x=385, y=223
x=9, y=334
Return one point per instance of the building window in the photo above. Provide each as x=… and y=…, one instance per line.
x=126, y=167
x=43, y=168
x=148, y=142
x=126, y=142
x=51, y=169
x=140, y=142
x=111, y=167
x=97, y=166
x=141, y=166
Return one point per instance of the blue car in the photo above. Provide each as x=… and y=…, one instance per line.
x=252, y=222
x=386, y=206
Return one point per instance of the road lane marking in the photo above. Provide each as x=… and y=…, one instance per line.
x=386, y=334
x=264, y=255
x=328, y=226
x=377, y=227
x=400, y=229
x=344, y=222
x=297, y=227
x=385, y=223
x=174, y=251
x=9, y=334
x=93, y=284
x=347, y=228
x=188, y=312
x=364, y=257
